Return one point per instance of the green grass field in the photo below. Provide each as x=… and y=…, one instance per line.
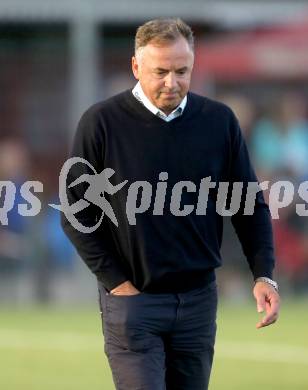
x=53, y=348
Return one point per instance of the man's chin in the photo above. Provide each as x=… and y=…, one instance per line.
x=169, y=104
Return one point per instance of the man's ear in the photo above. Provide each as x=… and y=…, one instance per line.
x=135, y=67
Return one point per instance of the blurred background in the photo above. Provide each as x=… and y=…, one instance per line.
x=59, y=57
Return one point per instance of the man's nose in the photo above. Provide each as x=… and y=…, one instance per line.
x=170, y=80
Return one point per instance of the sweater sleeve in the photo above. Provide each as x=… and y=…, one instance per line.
x=254, y=231
x=95, y=248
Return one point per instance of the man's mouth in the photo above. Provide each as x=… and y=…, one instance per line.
x=170, y=94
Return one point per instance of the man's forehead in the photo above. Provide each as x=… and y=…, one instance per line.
x=168, y=59
x=170, y=64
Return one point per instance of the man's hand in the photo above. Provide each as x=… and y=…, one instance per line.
x=125, y=288
x=267, y=299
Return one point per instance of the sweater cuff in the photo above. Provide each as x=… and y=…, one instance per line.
x=110, y=284
x=111, y=277
x=262, y=271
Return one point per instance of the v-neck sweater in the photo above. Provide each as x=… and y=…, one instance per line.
x=152, y=247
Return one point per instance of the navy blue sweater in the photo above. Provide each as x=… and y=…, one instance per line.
x=165, y=252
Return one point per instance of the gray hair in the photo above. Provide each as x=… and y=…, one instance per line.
x=162, y=31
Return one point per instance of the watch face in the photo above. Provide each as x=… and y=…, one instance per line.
x=275, y=285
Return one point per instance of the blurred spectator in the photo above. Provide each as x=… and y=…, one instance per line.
x=280, y=139
x=244, y=110
x=280, y=150
x=278, y=142
x=14, y=165
x=50, y=254
x=32, y=246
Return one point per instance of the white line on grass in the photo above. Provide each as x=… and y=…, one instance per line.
x=63, y=341
x=73, y=341
x=270, y=352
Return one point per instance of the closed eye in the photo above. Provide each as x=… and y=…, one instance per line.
x=182, y=70
x=160, y=72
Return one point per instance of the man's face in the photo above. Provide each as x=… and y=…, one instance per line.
x=164, y=72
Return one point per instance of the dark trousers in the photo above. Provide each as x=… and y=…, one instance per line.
x=160, y=341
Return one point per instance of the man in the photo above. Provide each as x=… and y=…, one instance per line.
x=156, y=267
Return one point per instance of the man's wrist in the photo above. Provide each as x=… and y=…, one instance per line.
x=267, y=280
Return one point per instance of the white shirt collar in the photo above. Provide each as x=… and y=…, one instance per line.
x=140, y=95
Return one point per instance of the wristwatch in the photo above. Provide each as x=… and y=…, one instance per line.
x=267, y=280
